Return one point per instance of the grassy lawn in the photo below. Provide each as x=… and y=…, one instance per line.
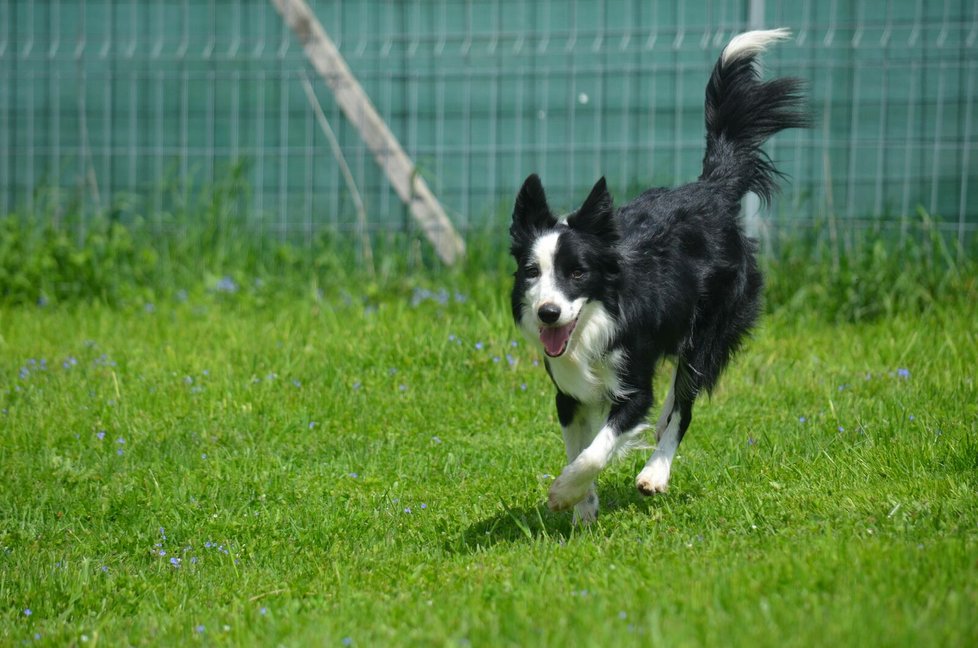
x=219, y=472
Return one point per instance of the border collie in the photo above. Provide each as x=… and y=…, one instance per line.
x=607, y=293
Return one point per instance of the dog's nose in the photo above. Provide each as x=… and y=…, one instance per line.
x=549, y=313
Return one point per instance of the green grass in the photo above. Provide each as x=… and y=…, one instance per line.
x=295, y=435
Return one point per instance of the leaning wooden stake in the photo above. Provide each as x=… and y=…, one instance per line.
x=355, y=104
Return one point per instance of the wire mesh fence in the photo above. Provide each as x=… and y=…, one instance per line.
x=124, y=106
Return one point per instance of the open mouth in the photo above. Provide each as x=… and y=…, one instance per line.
x=555, y=338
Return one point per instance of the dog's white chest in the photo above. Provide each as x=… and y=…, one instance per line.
x=588, y=380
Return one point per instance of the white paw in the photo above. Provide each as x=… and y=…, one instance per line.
x=586, y=511
x=568, y=489
x=653, y=479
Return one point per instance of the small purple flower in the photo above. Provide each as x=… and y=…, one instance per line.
x=357, y=385
x=479, y=346
x=841, y=429
x=120, y=441
x=436, y=439
x=119, y=452
x=912, y=417
x=104, y=568
x=523, y=386
x=163, y=532
x=903, y=373
x=354, y=475
x=162, y=553
x=100, y=434
x=193, y=560
x=423, y=505
x=226, y=285
x=451, y=337
x=513, y=343
x=296, y=384
x=402, y=387
x=510, y=360
x=199, y=629
x=175, y=562
x=802, y=419
x=407, y=509
x=496, y=359
x=263, y=611
x=203, y=455
x=27, y=612
x=312, y=424
x=347, y=641
x=751, y=441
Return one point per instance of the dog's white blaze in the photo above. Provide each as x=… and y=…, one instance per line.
x=544, y=290
x=752, y=43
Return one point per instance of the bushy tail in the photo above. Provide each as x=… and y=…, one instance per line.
x=742, y=112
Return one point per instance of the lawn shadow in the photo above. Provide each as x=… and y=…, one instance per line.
x=531, y=521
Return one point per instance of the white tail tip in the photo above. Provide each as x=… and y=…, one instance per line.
x=752, y=43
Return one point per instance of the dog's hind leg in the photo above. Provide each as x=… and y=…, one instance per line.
x=578, y=427
x=677, y=412
x=667, y=406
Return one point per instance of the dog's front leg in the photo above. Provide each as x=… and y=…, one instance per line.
x=624, y=423
x=578, y=476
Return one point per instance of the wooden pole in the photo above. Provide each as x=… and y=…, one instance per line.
x=387, y=151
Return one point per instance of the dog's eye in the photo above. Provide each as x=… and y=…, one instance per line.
x=532, y=272
x=578, y=274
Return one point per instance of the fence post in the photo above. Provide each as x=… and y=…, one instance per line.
x=387, y=151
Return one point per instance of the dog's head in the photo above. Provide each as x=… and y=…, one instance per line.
x=562, y=266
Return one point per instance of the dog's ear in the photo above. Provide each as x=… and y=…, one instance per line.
x=596, y=215
x=531, y=212
x=531, y=208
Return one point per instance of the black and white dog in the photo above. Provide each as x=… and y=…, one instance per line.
x=607, y=293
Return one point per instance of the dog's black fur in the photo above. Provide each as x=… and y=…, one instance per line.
x=673, y=267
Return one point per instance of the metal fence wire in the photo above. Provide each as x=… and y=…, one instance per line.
x=122, y=105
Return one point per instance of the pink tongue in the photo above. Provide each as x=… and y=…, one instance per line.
x=554, y=339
